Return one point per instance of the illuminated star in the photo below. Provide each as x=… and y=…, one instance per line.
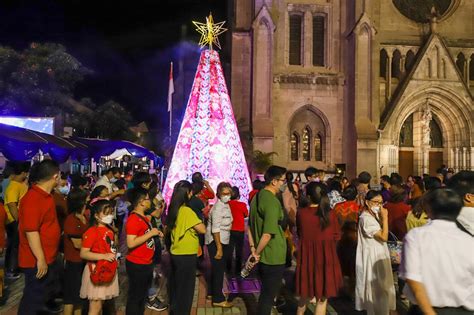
x=209, y=32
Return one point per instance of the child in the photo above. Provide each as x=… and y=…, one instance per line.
x=98, y=243
x=75, y=226
x=141, y=249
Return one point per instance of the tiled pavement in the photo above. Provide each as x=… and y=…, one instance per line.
x=243, y=304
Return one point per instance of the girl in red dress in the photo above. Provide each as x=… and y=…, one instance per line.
x=318, y=273
x=99, y=243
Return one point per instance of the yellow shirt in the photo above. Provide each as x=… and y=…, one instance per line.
x=14, y=192
x=184, y=239
x=413, y=222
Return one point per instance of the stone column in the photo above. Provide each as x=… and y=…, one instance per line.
x=472, y=159
x=388, y=81
x=307, y=39
x=464, y=158
x=466, y=71
x=456, y=158
x=452, y=158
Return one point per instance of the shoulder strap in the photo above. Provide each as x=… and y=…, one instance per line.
x=144, y=219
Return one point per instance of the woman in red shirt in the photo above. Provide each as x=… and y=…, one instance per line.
x=347, y=214
x=75, y=226
x=141, y=248
x=99, y=243
x=239, y=213
x=397, y=211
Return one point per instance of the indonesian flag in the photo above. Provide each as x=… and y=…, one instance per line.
x=170, y=89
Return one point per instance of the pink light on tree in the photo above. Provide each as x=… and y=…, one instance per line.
x=209, y=141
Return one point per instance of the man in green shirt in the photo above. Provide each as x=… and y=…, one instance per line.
x=267, y=241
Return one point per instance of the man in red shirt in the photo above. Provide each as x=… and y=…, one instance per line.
x=239, y=213
x=39, y=239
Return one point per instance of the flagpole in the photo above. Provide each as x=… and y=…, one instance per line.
x=170, y=97
x=171, y=119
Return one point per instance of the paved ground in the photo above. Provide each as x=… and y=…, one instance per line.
x=243, y=304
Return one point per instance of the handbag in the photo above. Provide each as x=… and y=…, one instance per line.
x=395, y=249
x=103, y=271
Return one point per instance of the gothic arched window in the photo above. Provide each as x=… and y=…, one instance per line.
x=306, y=144
x=436, y=136
x=409, y=60
x=318, y=149
x=406, y=133
x=294, y=144
x=396, y=60
x=460, y=62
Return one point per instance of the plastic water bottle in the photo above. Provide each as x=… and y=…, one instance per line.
x=248, y=267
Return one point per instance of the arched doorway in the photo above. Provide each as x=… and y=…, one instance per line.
x=414, y=150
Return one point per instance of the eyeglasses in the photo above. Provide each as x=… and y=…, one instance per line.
x=283, y=180
x=376, y=202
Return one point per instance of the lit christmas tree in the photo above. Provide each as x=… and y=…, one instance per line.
x=209, y=141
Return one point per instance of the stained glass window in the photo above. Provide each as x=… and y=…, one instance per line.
x=294, y=143
x=318, y=150
x=406, y=133
x=436, y=136
x=306, y=144
x=420, y=10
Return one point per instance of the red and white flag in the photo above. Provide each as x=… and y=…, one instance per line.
x=170, y=89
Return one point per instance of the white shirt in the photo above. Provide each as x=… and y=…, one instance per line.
x=220, y=221
x=466, y=219
x=104, y=181
x=441, y=257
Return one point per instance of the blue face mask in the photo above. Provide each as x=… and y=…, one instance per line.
x=64, y=190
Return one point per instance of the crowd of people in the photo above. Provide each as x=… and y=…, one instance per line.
x=69, y=234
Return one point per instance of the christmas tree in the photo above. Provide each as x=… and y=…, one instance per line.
x=209, y=141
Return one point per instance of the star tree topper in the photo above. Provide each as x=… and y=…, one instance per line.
x=209, y=32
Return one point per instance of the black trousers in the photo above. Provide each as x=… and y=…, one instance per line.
x=13, y=242
x=271, y=277
x=415, y=310
x=236, y=244
x=181, y=283
x=37, y=292
x=139, y=281
x=217, y=272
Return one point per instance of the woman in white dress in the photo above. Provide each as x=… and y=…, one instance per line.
x=375, y=291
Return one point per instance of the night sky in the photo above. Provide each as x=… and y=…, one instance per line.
x=127, y=44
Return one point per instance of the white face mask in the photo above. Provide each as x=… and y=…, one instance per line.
x=283, y=187
x=113, y=180
x=225, y=199
x=375, y=209
x=108, y=219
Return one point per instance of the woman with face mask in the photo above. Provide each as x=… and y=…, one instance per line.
x=217, y=241
x=375, y=291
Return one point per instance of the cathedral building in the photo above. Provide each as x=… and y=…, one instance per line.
x=377, y=85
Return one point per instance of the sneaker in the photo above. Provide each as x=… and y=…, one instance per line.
x=224, y=304
x=12, y=275
x=157, y=306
